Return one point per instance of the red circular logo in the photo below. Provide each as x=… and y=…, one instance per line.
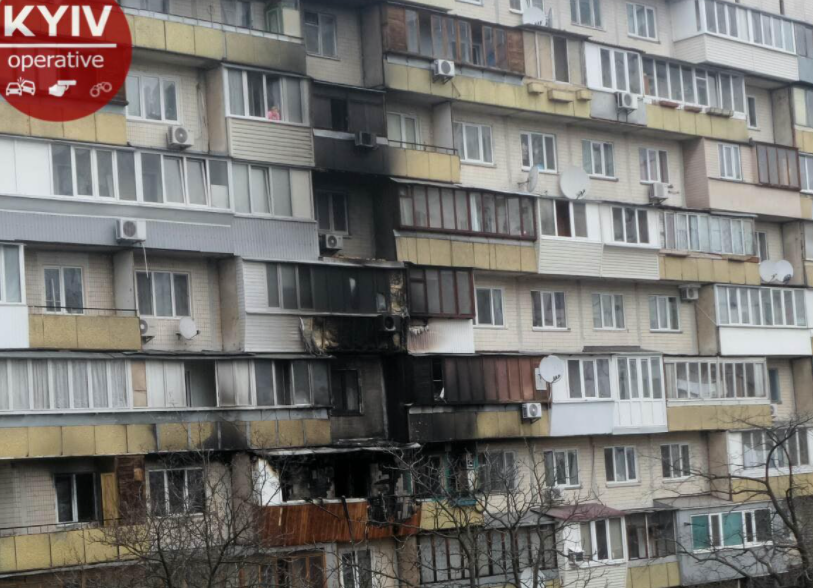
x=61, y=60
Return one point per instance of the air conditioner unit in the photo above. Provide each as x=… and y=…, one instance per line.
x=131, y=231
x=178, y=137
x=146, y=331
x=531, y=411
x=626, y=102
x=366, y=140
x=773, y=410
x=689, y=293
x=658, y=192
x=443, y=69
x=331, y=242
x=575, y=555
x=389, y=323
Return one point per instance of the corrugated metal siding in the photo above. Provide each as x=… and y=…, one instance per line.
x=269, y=332
x=270, y=142
x=570, y=257
x=443, y=336
x=628, y=262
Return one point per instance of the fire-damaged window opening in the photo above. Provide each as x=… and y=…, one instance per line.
x=345, y=389
x=463, y=472
x=437, y=378
x=75, y=497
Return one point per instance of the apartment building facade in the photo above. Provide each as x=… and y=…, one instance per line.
x=325, y=246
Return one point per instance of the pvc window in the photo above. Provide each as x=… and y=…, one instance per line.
x=778, y=166
x=345, y=391
x=806, y=167
x=490, y=307
x=709, y=234
x=772, y=31
x=549, y=311
x=521, y=5
x=731, y=529
x=762, y=245
x=497, y=471
x=641, y=21
x=603, y=540
x=589, y=379
x=163, y=294
x=753, y=122
x=236, y=13
x=664, y=313
x=561, y=467
x=639, y=378
x=654, y=165
x=356, y=569
x=620, y=70
x=331, y=212
x=620, y=464
x=176, y=491
x=586, y=12
x=675, y=461
x=276, y=383
x=11, y=274
x=257, y=95
x=715, y=379
x=730, y=166
x=598, y=159
x=262, y=190
x=64, y=290
x=608, y=311
x=630, y=225
x=473, y=143
x=403, y=131
x=75, y=497
x=319, y=31
x=693, y=86
x=152, y=5
x=563, y=218
x=538, y=150
x=783, y=447
x=768, y=307
x=651, y=535
x=152, y=98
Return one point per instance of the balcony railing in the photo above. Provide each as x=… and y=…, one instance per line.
x=422, y=147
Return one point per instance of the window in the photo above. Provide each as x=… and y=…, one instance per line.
x=440, y=292
x=521, y=5
x=650, y=535
x=450, y=209
x=709, y=234
x=769, y=307
x=731, y=529
x=403, y=131
x=538, y=150
x=497, y=471
x=163, y=294
x=603, y=540
x=687, y=85
x=730, y=162
x=753, y=123
x=265, y=96
x=356, y=569
x=549, y=310
x=152, y=98
x=561, y=62
x=176, y=491
x=489, y=307
x=589, y=378
x=563, y=218
x=804, y=40
x=294, y=571
x=262, y=190
x=320, y=34
x=586, y=12
x=639, y=377
x=327, y=289
x=770, y=31
x=806, y=167
x=153, y=5
x=561, y=468
x=774, y=386
x=762, y=245
x=75, y=497
x=620, y=70
x=664, y=313
x=778, y=166
x=63, y=290
x=473, y=142
x=598, y=159
x=345, y=389
x=11, y=272
x=803, y=98
x=675, y=460
x=784, y=448
x=654, y=165
x=630, y=225
x=276, y=383
x=715, y=379
x=236, y=13
x=641, y=21
x=608, y=311
x=331, y=212
x=619, y=464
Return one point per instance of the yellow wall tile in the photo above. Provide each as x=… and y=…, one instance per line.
x=149, y=33
x=8, y=556
x=33, y=552
x=78, y=440
x=180, y=38
x=173, y=437
x=317, y=432
x=45, y=442
x=111, y=439
x=83, y=129
x=291, y=433
x=440, y=252
x=12, y=121
x=141, y=439
x=209, y=43
x=462, y=254
x=14, y=442
x=264, y=434
x=111, y=128
x=67, y=548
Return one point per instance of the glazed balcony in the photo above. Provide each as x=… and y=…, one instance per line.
x=84, y=329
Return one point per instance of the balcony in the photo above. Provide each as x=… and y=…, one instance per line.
x=97, y=329
x=102, y=127
x=446, y=424
x=708, y=268
x=272, y=142
x=578, y=257
x=710, y=49
x=723, y=416
x=454, y=251
x=754, y=198
x=698, y=124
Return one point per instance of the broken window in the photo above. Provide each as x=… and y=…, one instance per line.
x=285, y=383
x=441, y=292
x=356, y=569
x=345, y=390
x=75, y=497
x=327, y=289
x=295, y=571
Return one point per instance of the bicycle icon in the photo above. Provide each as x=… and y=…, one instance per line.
x=100, y=88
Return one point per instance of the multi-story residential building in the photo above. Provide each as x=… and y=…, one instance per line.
x=312, y=240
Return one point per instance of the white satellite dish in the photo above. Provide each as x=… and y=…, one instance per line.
x=767, y=271
x=187, y=328
x=534, y=16
x=533, y=179
x=784, y=271
x=551, y=369
x=574, y=183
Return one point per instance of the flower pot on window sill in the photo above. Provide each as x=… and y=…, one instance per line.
x=560, y=95
x=721, y=112
x=690, y=108
x=668, y=103
x=584, y=95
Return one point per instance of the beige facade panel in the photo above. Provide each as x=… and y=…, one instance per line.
x=742, y=490
x=717, y=417
x=102, y=127
x=753, y=198
x=709, y=269
x=654, y=575
x=449, y=252
x=423, y=165
x=107, y=333
x=54, y=550
x=698, y=124
x=270, y=142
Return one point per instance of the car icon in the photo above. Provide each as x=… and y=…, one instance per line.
x=28, y=87
x=21, y=87
x=14, y=89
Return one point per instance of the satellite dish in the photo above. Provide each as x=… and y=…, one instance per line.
x=533, y=179
x=187, y=328
x=784, y=271
x=574, y=183
x=767, y=271
x=551, y=368
x=533, y=15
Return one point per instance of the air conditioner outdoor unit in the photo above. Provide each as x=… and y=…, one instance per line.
x=331, y=242
x=626, y=102
x=531, y=411
x=366, y=140
x=178, y=137
x=575, y=556
x=131, y=231
x=689, y=293
x=658, y=192
x=443, y=69
x=389, y=323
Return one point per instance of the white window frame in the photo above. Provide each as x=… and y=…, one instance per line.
x=356, y=566
x=760, y=244
x=708, y=233
x=284, y=81
x=571, y=217
x=74, y=499
x=165, y=471
x=60, y=269
x=762, y=446
x=320, y=18
x=641, y=216
x=525, y=4
x=753, y=122
x=269, y=170
x=151, y=273
x=629, y=57
x=645, y=162
x=593, y=557
x=594, y=17
x=603, y=299
x=162, y=100
x=664, y=302
x=491, y=296
x=526, y=139
x=703, y=379
x=732, y=153
x=676, y=463
x=597, y=395
x=604, y=147
x=806, y=172
x=20, y=272
x=765, y=297
x=571, y=455
x=538, y=297
x=627, y=452
x=462, y=149
x=402, y=120
x=641, y=372
x=653, y=35
x=329, y=194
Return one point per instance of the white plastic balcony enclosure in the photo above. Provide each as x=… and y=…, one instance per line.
x=609, y=395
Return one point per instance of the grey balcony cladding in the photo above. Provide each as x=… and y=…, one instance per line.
x=174, y=230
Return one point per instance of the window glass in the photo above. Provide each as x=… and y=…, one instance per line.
x=63, y=174
x=151, y=178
